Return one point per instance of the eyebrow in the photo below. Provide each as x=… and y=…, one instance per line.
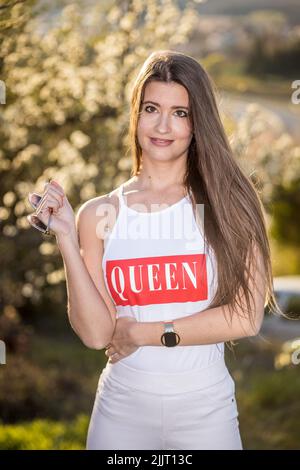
x=157, y=104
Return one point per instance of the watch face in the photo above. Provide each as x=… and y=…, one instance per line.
x=170, y=339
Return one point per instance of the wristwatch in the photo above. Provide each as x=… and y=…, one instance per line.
x=169, y=338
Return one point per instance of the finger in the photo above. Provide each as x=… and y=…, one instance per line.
x=114, y=358
x=110, y=353
x=54, y=187
x=57, y=188
x=57, y=185
x=49, y=203
x=53, y=195
x=51, y=200
x=56, y=194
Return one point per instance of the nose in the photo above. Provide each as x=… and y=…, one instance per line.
x=163, y=126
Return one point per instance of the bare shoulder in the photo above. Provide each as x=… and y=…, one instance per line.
x=89, y=208
x=99, y=213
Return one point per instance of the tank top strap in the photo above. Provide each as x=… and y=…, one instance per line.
x=121, y=196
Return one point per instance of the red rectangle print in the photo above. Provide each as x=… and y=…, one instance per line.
x=157, y=280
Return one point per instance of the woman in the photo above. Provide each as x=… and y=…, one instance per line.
x=169, y=294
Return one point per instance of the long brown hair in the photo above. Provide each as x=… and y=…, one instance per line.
x=234, y=215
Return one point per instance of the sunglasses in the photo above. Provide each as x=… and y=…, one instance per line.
x=34, y=200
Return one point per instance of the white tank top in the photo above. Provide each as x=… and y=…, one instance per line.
x=156, y=269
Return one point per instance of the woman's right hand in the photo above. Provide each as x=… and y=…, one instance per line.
x=55, y=201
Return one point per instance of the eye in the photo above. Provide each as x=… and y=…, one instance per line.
x=181, y=111
x=147, y=107
x=185, y=114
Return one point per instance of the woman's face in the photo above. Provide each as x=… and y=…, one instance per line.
x=164, y=115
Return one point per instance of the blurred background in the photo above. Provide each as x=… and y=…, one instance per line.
x=66, y=70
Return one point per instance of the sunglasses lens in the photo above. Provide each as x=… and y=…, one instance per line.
x=34, y=199
x=37, y=223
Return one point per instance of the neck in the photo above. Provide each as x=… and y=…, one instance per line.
x=160, y=180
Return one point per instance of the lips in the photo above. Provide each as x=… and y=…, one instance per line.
x=161, y=142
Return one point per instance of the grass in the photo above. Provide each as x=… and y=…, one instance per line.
x=269, y=408
x=45, y=435
x=56, y=379
x=67, y=352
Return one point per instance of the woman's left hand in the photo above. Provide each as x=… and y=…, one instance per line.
x=121, y=344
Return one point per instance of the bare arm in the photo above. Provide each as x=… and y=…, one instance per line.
x=90, y=310
x=209, y=326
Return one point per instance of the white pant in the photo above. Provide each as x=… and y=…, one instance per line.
x=144, y=410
